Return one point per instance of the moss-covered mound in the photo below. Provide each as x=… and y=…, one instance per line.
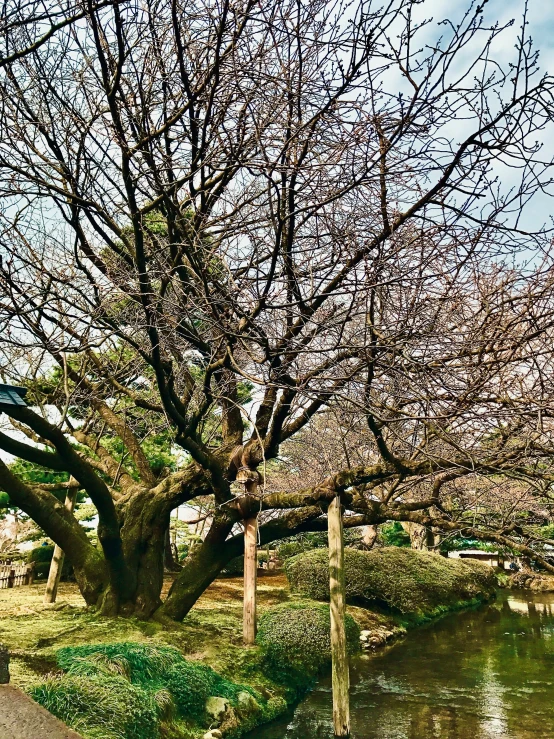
x=413, y=583
x=139, y=691
x=295, y=642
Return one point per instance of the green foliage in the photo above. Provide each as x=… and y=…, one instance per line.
x=306, y=542
x=296, y=644
x=407, y=581
x=453, y=544
x=235, y=567
x=42, y=557
x=301, y=543
x=100, y=706
x=145, y=691
x=156, y=447
x=34, y=474
x=547, y=531
x=393, y=535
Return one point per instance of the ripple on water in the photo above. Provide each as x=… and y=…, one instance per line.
x=484, y=674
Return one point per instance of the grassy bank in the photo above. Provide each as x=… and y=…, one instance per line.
x=206, y=651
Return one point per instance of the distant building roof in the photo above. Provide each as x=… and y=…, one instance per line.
x=480, y=552
x=12, y=395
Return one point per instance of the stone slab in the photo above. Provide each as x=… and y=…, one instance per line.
x=22, y=718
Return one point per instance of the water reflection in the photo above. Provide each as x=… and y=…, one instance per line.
x=485, y=674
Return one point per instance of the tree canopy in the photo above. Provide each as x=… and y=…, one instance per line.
x=240, y=232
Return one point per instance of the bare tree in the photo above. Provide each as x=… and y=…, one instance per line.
x=223, y=220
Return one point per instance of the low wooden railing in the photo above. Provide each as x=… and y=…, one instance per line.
x=15, y=574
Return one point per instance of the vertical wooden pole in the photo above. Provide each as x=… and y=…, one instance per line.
x=250, y=579
x=341, y=677
x=56, y=566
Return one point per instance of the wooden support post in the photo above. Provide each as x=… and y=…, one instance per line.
x=340, y=673
x=250, y=578
x=56, y=566
x=4, y=665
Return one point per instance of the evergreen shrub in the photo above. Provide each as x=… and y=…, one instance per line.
x=42, y=557
x=295, y=641
x=407, y=581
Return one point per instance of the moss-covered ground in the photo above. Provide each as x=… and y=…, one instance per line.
x=211, y=636
x=212, y=632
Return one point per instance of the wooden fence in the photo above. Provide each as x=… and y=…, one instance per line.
x=14, y=574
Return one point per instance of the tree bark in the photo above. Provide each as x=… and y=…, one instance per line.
x=199, y=570
x=170, y=565
x=56, y=566
x=369, y=537
x=421, y=537
x=143, y=534
x=250, y=580
x=340, y=672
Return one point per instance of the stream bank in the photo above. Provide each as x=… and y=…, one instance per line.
x=483, y=673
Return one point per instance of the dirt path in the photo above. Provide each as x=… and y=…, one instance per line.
x=22, y=718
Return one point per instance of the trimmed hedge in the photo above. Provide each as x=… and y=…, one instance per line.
x=408, y=581
x=295, y=638
x=42, y=557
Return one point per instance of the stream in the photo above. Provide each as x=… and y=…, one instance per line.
x=479, y=674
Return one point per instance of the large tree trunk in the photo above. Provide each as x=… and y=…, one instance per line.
x=143, y=532
x=200, y=569
x=144, y=519
x=145, y=524
x=421, y=537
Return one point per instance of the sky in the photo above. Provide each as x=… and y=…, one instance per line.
x=540, y=19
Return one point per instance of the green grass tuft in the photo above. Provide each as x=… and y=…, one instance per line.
x=100, y=706
x=130, y=690
x=141, y=663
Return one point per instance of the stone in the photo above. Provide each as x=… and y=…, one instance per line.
x=213, y=734
x=231, y=723
x=4, y=665
x=216, y=707
x=246, y=703
x=22, y=718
